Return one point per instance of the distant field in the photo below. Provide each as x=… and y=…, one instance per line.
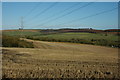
x=87, y=36
x=68, y=35
x=102, y=39
x=21, y=33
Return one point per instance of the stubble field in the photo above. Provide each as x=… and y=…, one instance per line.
x=60, y=60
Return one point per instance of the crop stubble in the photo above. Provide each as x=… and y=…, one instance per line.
x=60, y=60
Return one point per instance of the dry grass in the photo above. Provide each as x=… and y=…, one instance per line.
x=60, y=60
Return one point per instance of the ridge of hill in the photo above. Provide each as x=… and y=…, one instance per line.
x=88, y=30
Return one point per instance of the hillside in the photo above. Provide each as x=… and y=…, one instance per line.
x=108, y=38
x=89, y=30
x=60, y=60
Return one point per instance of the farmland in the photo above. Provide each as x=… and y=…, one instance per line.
x=60, y=40
x=102, y=39
x=60, y=59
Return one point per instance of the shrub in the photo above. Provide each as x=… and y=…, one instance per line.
x=10, y=41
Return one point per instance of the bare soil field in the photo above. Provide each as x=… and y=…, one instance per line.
x=60, y=60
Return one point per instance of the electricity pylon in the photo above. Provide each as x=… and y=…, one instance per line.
x=21, y=26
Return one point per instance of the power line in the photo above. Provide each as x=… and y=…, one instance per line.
x=32, y=10
x=68, y=13
x=82, y=18
x=60, y=11
x=44, y=10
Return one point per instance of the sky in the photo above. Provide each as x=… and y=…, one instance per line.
x=55, y=15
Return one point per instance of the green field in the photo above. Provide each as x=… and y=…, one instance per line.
x=21, y=33
x=86, y=36
x=110, y=40
x=77, y=35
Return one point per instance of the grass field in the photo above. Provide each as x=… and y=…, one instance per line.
x=21, y=33
x=81, y=36
x=69, y=35
x=110, y=40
